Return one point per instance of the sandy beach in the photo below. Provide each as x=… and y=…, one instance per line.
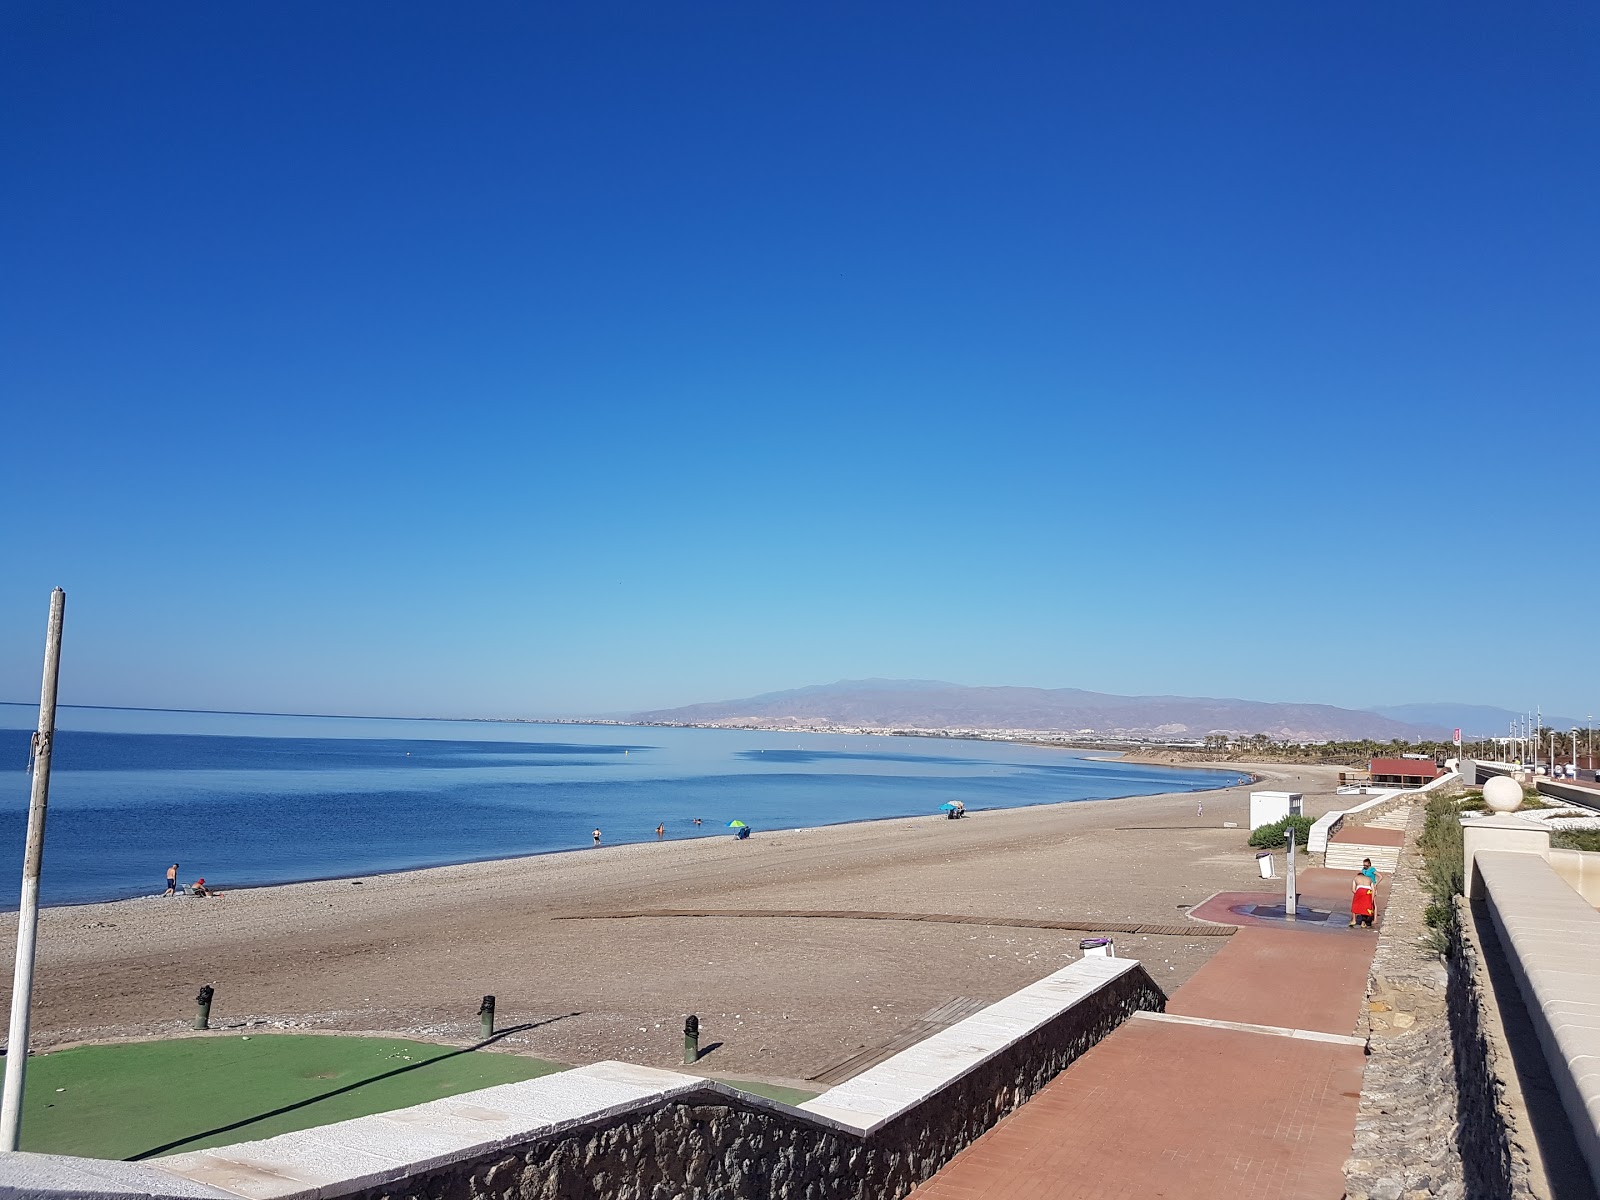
x=779, y=998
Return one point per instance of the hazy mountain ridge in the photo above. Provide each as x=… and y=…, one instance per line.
x=1472, y=719
x=931, y=704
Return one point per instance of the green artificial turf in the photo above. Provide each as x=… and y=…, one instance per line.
x=772, y=1091
x=149, y=1098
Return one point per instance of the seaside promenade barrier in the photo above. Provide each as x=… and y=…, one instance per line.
x=623, y=1132
x=1542, y=904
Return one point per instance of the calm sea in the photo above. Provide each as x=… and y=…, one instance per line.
x=247, y=799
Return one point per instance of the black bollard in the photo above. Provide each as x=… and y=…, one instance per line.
x=691, y=1039
x=202, y=1019
x=486, y=1015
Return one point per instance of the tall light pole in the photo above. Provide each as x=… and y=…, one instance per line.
x=28, y=917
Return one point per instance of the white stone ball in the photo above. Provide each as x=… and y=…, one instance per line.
x=1502, y=795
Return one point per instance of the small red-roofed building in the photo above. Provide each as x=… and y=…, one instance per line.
x=1404, y=772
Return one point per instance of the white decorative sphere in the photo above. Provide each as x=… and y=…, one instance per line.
x=1502, y=795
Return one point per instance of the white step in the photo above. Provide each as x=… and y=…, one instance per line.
x=1347, y=856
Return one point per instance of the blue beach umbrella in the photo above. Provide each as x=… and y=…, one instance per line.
x=949, y=806
x=737, y=825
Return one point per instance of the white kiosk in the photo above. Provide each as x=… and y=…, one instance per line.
x=1268, y=808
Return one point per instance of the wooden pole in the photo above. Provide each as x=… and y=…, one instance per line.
x=28, y=916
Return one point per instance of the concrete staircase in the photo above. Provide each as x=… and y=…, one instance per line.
x=1348, y=847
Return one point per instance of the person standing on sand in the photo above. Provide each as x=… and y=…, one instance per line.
x=661, y=832
x=172, y=879
x=596, y=837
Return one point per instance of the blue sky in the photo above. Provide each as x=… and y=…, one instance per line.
x=505, y=359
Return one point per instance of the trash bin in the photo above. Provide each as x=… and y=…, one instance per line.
x=1098, y=948
x=1264, y=864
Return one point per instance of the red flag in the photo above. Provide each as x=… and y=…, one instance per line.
x=1458, y=737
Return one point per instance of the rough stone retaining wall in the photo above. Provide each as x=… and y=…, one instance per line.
x=1407, y=1123
x=1494, y=1152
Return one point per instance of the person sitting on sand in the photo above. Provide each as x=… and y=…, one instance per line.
x=200, y=888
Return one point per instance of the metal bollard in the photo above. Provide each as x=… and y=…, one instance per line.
x=691, y=1039
x=202, y=1019
x=486, y=1015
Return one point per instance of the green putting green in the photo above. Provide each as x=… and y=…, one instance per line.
x=149, y=1098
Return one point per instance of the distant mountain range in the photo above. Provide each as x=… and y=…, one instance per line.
x=930, y=704
x=1474, y=720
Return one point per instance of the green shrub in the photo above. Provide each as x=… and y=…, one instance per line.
x=1443, y=872
x=1276, y=835
x=1575, y=839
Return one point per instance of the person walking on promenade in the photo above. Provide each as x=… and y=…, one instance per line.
x=596, y=837
x=1363, y=900
x=172, y=879
x=661, y=831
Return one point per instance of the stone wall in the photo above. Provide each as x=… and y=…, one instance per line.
x=1493, y=1147
x=717, y=1143
x=1407, y=1124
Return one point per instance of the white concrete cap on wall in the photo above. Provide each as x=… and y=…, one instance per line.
x=1502, y=831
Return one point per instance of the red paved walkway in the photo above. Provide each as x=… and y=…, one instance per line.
x=1279, y=977
x=1171, y=1110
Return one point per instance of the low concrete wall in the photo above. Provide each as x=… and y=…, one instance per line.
x=1502, y=832
x=1551, y=938
x=1568, y=792
x=1580, y=870
x=613, y=1131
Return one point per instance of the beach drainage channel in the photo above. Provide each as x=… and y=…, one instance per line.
x=1194, y=929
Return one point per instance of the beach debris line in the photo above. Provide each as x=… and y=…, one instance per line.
x=1078, y=925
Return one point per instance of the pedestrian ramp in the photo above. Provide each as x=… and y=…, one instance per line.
x=1380, y=841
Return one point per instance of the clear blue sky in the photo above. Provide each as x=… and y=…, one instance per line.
x=501, y=359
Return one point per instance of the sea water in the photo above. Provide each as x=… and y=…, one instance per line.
x=252, y=799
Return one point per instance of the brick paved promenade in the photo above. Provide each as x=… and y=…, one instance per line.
x=1180, y=1107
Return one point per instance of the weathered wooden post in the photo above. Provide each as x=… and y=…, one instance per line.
x=33, y=861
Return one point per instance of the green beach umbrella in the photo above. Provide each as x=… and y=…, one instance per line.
x=737, y=825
